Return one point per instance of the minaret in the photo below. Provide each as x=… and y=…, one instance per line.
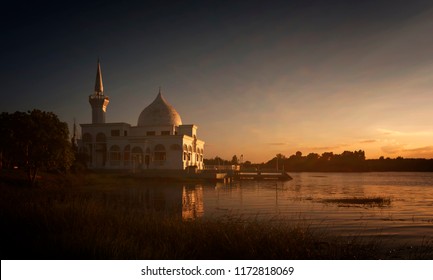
x=98, y=100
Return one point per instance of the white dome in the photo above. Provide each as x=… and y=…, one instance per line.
x=159, y=112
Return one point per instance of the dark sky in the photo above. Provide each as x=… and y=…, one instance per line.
x=219, y=58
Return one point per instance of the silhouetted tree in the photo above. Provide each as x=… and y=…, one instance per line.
x=234, y=160
x=35, y=139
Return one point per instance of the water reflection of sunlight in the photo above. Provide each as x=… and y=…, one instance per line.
x=192, y=202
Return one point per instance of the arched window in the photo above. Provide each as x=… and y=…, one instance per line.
x=185, y=152
x=127, y=154
x=189, y=153
x=137, y=155
x=159, y=153
x=115, y=155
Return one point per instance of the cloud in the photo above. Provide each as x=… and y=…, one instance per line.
x=277, y=144
x=329, y=147
x=368, y=141
x=401, y=150
x=389, y=132
x=393, y=148
x=405, y=133
x=421, y=150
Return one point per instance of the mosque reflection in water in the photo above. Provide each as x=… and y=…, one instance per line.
x=192, y=203
x=185, y=201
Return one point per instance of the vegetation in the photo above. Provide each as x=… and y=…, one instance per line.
x=329, y=162
x=33, y=140
x=376, y=201
x=67, y=222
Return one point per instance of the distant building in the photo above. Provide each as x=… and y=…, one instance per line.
x=159, y=141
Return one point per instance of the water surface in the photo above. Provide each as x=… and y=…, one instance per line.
x=407, y=218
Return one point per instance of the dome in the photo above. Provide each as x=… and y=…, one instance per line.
x=159, y=112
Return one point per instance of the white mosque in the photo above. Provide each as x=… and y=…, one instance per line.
x=159, y=141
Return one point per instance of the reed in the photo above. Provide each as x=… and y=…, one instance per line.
x=377, y=201
x=64, y=223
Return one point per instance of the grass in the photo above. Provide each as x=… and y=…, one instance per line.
x=362, y=201
x=63, y=223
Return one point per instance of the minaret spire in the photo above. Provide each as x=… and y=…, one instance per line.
x=99, y=87
x=98, y=100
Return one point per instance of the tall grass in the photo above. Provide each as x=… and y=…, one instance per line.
x=375, y=201
x=64, y=223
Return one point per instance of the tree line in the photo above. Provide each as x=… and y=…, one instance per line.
x=347, y=161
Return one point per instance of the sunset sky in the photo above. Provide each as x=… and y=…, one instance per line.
x=257, y=77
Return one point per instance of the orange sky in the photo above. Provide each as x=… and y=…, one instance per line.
x=257, y=78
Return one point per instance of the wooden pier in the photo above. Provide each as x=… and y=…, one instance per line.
x=230, y=173
x=225, y=175
x=259, y=175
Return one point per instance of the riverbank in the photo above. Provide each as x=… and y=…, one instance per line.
x=65, y=222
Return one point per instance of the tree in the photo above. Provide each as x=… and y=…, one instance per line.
x=35, y=139
x=313, y=156
x=234, y=160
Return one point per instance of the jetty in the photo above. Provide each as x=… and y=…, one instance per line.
x=235, y=173
x=225, y=174
x=258, y=175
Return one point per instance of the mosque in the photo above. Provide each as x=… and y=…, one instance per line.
x=159, y=141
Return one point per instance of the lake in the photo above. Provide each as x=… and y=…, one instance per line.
x=313, y=198
x=408, y=216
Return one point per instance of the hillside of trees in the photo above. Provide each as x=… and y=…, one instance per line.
x=347, y=161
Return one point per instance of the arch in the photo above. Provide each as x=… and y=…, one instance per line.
x=185, y=147
x=137, y=157
x=147, y=157
x=159, y=153
x=115, y=155
x=100, y=137
x=87, y=138
x=189, y=148
x=101, y=155
x=127, y=154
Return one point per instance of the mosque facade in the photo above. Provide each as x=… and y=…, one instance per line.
x=158, y=141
